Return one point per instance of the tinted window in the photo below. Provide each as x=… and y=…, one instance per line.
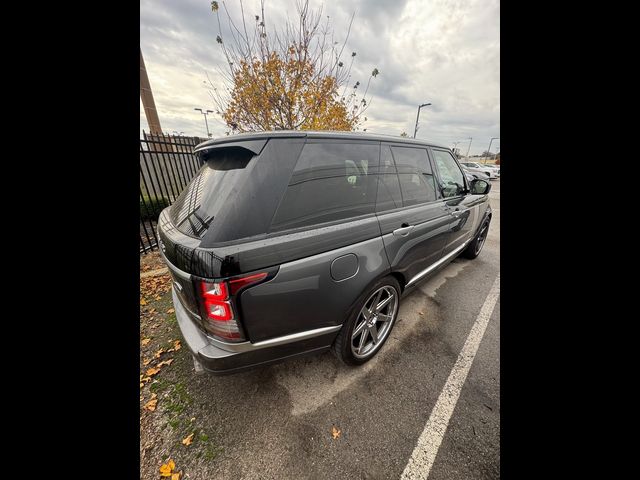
x=416, y=177
x=215, y=186
x=331, y=181
x=450, y=174
x=389, y=196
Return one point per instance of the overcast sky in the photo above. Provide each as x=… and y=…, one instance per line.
x=446, y=52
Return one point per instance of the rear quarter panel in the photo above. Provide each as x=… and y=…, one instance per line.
x=304, y=296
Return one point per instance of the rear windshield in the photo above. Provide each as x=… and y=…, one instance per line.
x=215, y=187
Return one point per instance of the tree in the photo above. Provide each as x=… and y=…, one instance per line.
x=294, y=78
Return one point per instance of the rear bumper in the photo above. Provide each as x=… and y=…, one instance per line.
x=218, y=359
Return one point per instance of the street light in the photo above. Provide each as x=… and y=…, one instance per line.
x=455, y=145
x=469, y=148
x=418, y=117
x=205, y=119
x=489, y=149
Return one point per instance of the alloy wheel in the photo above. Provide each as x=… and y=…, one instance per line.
x=374, y=322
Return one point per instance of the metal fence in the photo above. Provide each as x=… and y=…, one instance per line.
x=167, y=165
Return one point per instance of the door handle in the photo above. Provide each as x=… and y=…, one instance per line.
x=457, y=213
x=404, y=230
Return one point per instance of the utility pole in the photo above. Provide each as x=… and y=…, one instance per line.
x=489, y=149
x=469, y=148
x=418, y=117
x=205, y=113
x=147, y=100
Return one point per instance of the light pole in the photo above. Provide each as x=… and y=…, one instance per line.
x=455, y=145
x=489, y=149
x=205, y=113
x=469, y=148
x=418, y=117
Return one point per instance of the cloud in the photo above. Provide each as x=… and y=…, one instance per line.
x=446, y=52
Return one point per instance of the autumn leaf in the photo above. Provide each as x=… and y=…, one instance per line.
x=143, y=301
x=335, y=432
x=152, y=371
x=420, y=313
x=159, y=352
x=167, y=468
x=188, y=440
x=151, y=405
x=175, y=476
x=165, y=362
x=146, y=362
x=145, y=341
x=171, y=310
x=177, y=345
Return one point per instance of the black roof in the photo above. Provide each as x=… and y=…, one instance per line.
x=243, y=137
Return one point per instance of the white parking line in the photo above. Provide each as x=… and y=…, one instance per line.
x=425, y=452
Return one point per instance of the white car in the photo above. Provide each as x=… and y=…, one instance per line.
x=475, y=167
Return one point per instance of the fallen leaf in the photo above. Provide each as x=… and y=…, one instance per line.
x=141, y=385
x=157, y=297
x=167, y=468
x=171, y=310
x=165, y=362
x=193, y=418
x=159, y=352
x=188, y=440
x=175, y=476
x=146, y=362
x=146, y=379
x=177, y=345
x=152, y=371
x=143, y=301
x=420, y=313
x=145, y=341
x=151, y=405
x=335, y=432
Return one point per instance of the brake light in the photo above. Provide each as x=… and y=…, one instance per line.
x=220, y=318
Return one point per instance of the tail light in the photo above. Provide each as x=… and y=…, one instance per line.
x=220, y=317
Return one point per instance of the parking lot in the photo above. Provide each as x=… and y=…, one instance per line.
x=316, y=418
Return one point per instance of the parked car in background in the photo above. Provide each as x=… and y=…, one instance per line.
x=289, y=243
x=475, y=173
x=475, y=167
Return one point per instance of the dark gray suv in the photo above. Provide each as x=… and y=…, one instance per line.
x=288, y=243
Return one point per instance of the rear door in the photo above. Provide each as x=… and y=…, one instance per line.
x=463, y=207
x=414, y=219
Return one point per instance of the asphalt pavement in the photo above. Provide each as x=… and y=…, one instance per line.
x=277, y=421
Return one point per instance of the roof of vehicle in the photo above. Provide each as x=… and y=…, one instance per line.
x=315, y=134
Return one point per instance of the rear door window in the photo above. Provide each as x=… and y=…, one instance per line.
x=389, y=196
x=331, y=181
x=415, y=174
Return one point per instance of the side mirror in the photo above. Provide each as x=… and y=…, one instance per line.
x=479, y=187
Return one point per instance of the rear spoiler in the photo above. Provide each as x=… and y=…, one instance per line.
x=254, y=146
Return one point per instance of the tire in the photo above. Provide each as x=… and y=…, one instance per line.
x=475, y=246
x=382, y=323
